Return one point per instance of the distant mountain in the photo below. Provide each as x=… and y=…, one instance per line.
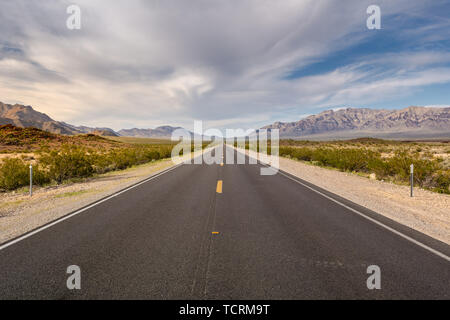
x=98, y=131
x=411, y=122
x=26, y=116
x=159, y=132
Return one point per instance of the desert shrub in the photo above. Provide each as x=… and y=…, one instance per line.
x=441, y=181
x=165, y=152
x=423, y=169
x=69, y=162
x=301, y=153
x=304, y=154
x=345, y=159
x=102, y=163
x=74, y=161
x=152, y=155
x=348, y=159
x=381, y=168
x=120, y=159
x=14, y=173
x=40, y=176
x=428, y=173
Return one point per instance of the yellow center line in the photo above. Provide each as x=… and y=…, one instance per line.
x=219, y=186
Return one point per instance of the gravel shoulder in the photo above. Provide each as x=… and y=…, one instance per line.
x=427, y=212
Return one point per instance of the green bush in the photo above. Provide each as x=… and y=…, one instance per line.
x=70, y=162
x=423, y=169
x=304, y=154
x=441, y=181
x=345, y=159
x=427, y=173
x=40, y=176
x=381, y=168
x=14, y=173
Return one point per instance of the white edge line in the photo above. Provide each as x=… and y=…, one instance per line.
x=39, y=229
x=404, y=236
x=440, y=254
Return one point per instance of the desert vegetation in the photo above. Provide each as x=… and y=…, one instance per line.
x=381, y=159
x=58, y=158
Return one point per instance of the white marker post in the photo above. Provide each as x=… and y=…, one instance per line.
x=31, y=180
x=411, y=178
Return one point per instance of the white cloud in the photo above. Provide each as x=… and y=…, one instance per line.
x=147, y=63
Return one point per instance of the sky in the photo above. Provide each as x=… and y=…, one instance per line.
x=230, y=63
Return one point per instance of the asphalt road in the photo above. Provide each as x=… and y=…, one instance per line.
x=181, y=236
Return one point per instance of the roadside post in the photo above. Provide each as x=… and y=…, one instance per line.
x=31, y=180
x=411, y=178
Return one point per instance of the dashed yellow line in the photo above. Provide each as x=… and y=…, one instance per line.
x=219, y=186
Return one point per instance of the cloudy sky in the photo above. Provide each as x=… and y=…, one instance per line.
x=230, y=63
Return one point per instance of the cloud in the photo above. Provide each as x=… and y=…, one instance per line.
x=147, y=63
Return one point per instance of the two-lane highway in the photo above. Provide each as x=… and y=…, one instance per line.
x=224, y=232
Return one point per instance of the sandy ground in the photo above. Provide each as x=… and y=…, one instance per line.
x=427, y=212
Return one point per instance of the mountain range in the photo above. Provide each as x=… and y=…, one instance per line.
x=411, y=122
x=26, y=116
x=159, y=132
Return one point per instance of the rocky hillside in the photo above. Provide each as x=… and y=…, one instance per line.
x=17, y=139
x=97, y=131
x=25, y=116
x=354, y=122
